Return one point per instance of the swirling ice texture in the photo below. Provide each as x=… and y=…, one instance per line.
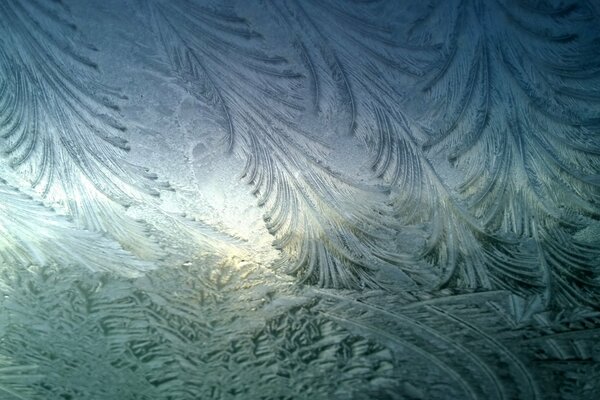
x=299, y=199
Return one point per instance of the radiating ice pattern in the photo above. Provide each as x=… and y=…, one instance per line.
x=299, y=199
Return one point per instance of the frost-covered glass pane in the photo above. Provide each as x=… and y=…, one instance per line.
x=299, y=199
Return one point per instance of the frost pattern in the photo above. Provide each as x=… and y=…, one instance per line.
x=514, y=99
x=428, y=173
x=325, y=223
x=60, y=128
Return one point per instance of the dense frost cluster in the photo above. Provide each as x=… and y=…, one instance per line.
x=299, y=199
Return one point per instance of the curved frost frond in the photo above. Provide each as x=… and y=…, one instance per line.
x=31, y=233
x=512, y=103
x=500, y=142
x=59, y=127
x=329, y=227
x=368, y=91
x=16, y=380
x=459, y=340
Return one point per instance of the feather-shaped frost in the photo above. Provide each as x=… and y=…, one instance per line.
x=373, y=92
x=331, y=231
x=511, y=103
x=60, y=128
x=32, y=234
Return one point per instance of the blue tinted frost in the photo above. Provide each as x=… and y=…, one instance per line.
x=360, y=199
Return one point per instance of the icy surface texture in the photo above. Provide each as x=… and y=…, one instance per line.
x=299, y=199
